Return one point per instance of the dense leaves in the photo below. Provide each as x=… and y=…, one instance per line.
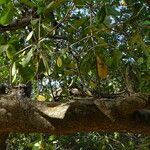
x=77, y=42
x=84, y=141
x=99, y=46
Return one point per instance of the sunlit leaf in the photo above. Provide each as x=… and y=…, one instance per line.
x=29, y=36
x=3, y=1
x=34, y=21
x=41, y=98
x=14, y=69
x=7, y=14
x=37, y=146
x=51, y=138
x=123, y=3
x=88, y=92
x=147, y=22
x=14, y=78
x=59, y=62
x=3, y=48
x=14, y=72
x=47, y=27
x=92, y=85
x=27, y=58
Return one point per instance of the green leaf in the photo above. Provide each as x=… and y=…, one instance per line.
x=7, y=14
x=88, y=63
x=51, y=138
x=26, y=60
x=29, y=36
x=79, y=22
x=45, y=62
x=40, y=68
x=14, y=78
x=47, y=27
x=101, y=14
x=14, y=72
x=28, y=3
x=14, y=69
x=147, y=22
x=140, y=60
x=3, y=2
x=27, y=73
x=79, y=2
x=2, y=39
x=3, y=48
x=148, y=62
x=37, y=146
x=112, y=11
x=10, y=52
x=34, y=21
x=59, y=61
x=117, y=55
x=53, y=5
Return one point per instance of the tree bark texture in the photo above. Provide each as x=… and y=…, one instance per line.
x=128, y=114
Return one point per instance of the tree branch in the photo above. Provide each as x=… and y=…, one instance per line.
x=86, y=114
x=3, y=138
x=16, y=25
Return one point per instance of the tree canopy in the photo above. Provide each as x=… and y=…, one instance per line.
x=102, y=46
x=73, y=50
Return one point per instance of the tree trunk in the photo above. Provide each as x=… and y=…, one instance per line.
x=88, y=114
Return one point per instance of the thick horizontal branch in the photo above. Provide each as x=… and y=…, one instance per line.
x=16, y=25
x=23, y=23
x=86, y=114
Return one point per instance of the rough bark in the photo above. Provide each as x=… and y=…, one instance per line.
x=3, y=138
x=88, y=114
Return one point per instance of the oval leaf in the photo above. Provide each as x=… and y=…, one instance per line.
x=59, y=62
x=92, y=84
x=7, y=14
x=14, y=69
x=101, y=68
x=41, y=98
x=29, y=36
x=10, y=52
x=27, y=58
x=101, y=14
x=3, y=48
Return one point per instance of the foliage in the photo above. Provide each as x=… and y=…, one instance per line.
x=79, y=141
x=86, y=43
x=99, y=46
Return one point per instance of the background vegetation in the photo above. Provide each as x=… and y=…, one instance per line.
x=77, y=47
